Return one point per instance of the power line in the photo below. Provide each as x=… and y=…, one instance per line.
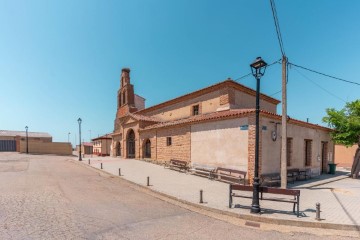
x=277, y=27
x=239, y=78
x=326, y=75
x=320, y=86
x=249, y=74
x=275, y=93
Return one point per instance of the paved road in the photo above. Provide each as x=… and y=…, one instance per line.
x=49, y=197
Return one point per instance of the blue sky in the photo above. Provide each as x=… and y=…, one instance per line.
x=61, y=60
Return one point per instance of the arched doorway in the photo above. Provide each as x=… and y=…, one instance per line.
x=130, y=142
x=118, y=149
x=147, y=149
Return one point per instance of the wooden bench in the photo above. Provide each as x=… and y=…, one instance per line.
x=230, y=175
x=304, y=174
x=267, y=194
x=270, y=179
x=202, y=170
x=292, y=174
x=178, y=164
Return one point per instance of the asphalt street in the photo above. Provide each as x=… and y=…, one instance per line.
x=52, y=197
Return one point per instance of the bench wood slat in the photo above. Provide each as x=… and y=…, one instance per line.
x=227, y=173
x=267, y=190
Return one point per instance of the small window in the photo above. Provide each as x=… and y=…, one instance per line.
x=195, y=110
x=168, y=141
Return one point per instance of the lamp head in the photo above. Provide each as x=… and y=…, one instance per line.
x=79, y=120
x=258, y=67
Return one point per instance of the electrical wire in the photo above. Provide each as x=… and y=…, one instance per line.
x=319, y=86
x=239, y=78
x=277, y=27
x=275, y=93
x=326, y=75
x=249, y=74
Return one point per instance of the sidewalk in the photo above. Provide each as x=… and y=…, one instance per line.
x=338, y=194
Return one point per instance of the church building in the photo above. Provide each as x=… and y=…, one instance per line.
x=215, y=126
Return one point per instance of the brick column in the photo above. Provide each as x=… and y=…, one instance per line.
x=251, y=148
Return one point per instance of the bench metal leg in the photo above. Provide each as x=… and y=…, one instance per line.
x=298, y=203
x=295, y=198
x=230, y=196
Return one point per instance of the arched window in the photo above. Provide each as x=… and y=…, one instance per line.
x=147, y=150
x=118, y=149
x=130, y=142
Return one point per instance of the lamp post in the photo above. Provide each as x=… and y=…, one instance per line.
x=27, y=140
x=69, y=137
x=79, y=121
x=258, y=68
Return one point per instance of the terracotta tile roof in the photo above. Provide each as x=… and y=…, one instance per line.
x=8, y=133
x=88, y=144
x=231, y=114
x=106, y=136
x=140, y=117
x=296, y=122
x=215, y=87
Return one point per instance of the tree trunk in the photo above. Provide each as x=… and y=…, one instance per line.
x=356, y=164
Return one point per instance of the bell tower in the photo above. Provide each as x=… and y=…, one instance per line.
x=126, y=96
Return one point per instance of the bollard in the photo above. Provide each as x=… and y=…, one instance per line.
x=148, y=181
x=89, y=161
x=318, y=212
x=201, y=196
x=119, y=171
x=101, y=165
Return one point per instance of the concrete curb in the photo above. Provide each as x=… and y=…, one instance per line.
x=255, y=218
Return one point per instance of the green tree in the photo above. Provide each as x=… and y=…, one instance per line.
x=346, y=125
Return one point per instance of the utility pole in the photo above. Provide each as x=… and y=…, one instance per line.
x=284, y=126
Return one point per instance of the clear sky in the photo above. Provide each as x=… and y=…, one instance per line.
x=61, y=60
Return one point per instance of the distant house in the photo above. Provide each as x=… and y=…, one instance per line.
x=216, y=126
x=36, y=142
x=86, y=148
x=101, y=145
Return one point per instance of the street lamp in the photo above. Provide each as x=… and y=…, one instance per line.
x=69, y=137
x=79, y=121
x=258, y=68
x=27, y=140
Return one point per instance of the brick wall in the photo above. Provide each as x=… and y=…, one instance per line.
x=180, y=147
x=57, y=148
x=344, y=156
x=227, y=96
